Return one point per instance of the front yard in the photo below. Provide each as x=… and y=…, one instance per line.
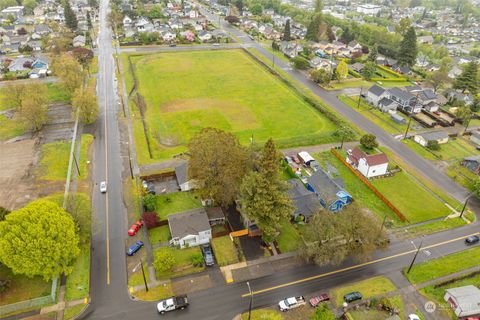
x=176, y=202
x=159, y=234
x=289, y=237
x=224, y=250
x=183, y=262
x=453, y=151
x=368, y=288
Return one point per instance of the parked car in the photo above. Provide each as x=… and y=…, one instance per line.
x=291, y=303
x=135, y=227
x=216, y=44
x=288, y=159
x=413, y=317
x=314, y=301
x=173, y=45
x=151, y=189
x=472, y=240
x=208, y=255
x=173, y=303
x=352, y=296
x=144, y=184
x=134, y=248
x=103, y=187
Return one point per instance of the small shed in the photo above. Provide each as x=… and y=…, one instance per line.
x=472, y=163
x=305, y=157
x=465, y=301
x=397, y=118
x=215, y=215
x=185, y=183
x=423, y=138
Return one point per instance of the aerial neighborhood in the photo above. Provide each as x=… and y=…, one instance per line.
x=240, y=159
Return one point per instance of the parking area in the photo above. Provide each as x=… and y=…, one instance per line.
x=164, y=183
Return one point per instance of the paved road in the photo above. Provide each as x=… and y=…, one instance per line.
x=110, y=299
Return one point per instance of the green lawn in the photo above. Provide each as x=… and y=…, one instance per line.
x=22, y=288
x=390, y=84
x=462, y=175
x=263, y=314
x=176, y=202
x=373, y=314
x=10, y=128
x=453, y=151
x=155, y=294
x=159, y=234
x=368, y=288
x=357, y=189
x=136, y=278
x=289, y=237
x=410, y=198
x=72, y=312
x=225, y=251
x=54, y=157
x=183, y=262
x=335, y=85
x=223, y=89
x=443, y=266
x=78, y=282
x=435, y=226
x=56, y=93
x=437, y=293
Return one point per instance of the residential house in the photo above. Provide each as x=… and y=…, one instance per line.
x=20, y=64
x=385, y=105
x=369, y=9
x=168, y=35
x=329, y=191
x=320, y=63
x=390, y=29
x=42, y=29
x=465, y=301
x=357, y=67
x=219, y=34
x=354, y=46
x=425, y=39
x=472, y=163
x=304, y=201
x=79, y=41
x=475, y=137
x=215, y=215
x=16, y=12
x=405, y=100
x=190, y=228
x=205, y=35
x=459, y=96
x=375, y=94
x=127, y=22
x=424, y=138
x=370, y=165
x=184, y=182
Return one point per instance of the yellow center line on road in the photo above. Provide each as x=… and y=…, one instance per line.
x=352, y=267
x=107, y=232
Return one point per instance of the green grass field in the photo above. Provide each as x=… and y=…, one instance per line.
x=225, y=251
x=187, y=91
x=289, y=237
x=159, y=234
x=368, y=288
x=22, y=288
x=54, y=157
x=446, y=265
x=78, y=282
x=263, y=314
x=452, y=151
x=176, y=202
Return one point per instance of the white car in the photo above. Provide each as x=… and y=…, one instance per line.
x=413, y=317
x=103, y=187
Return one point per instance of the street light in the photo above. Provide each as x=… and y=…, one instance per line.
x=251, y=300
x=143, y=273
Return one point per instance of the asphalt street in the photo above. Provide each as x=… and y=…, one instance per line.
x=109, y=293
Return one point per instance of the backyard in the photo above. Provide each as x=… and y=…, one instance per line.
x=223, y=89
x=176, y=202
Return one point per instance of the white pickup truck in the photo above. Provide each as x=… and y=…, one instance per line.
x=291, y=303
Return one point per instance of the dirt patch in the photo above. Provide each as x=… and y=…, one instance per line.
x=18, y=185
x=190, y=285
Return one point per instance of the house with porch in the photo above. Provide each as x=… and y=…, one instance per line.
x=190, y=228
x=369, y=165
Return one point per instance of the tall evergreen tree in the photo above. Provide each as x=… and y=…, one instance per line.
x=239, y=5
x=318, y=6
x=408, y=48
x=468, y=79
x=372, y=56
x=89, y=20
x=286, y=31
x=313, y=28
x=70, y=17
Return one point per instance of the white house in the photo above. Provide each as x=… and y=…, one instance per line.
x=204, y=35
x=375, y=94
x=16, y=12
x=465, y=301
x=370, y=165
x=424, y=138
x=184, y=182
x=190, y=228
x=475, y=137
x=127, y=21
x=78, y=41
x=369, y=9
x=168, y=35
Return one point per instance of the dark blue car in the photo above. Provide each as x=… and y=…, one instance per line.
x=134, y=248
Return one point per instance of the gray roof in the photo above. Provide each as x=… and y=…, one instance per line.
x=476, y=134
x=472, y=158
x=385, y=102
x=324, y=186
x=376, y=90
x=215, y=213
x=188, y=222
x=400, y=94
x=435, y=135
x=181, y=172
x=467, y=298
x=305, y=202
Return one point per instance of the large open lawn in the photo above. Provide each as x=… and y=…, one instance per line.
x=187, y=91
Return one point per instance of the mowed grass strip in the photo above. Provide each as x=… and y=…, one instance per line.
x=368, y=288
x=187, y=91
x=446, y=265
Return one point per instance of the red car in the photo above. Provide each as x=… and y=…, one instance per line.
x=135, y=227
x=314, y=301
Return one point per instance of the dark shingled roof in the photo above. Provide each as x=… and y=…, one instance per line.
x=376, y=90
x=324, y=186
x=436, y=135
x=215, y=213
x=188, y=222
x=181, y=172
x=305, y=202
x=401, y=94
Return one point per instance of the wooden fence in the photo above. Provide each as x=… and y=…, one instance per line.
x=370, y=186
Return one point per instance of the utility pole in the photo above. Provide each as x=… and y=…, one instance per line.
x=273, y=61
x=383, y=223
x=76, y=163
x=408, y=127
x=360, y=97
x=251, y=300
x=415, y=257
x=465, y=206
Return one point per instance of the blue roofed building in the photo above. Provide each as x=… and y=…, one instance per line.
x=329, y=191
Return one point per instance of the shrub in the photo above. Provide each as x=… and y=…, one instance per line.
x=369, y=141
x=433, y=145
x=300, y=63
x=150, y=219
x=4, y=285
x=150, y=202
x=164, y=260
x=197, y=260
x=387, y=304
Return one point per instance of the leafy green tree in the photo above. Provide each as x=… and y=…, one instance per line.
x=164, y=260
x=433, y=145
x=256, y=9
x=33, y=109
x=300, y=63
x=39, y=240
x=70, y=72
x=369, y=70
x=408, y=48
x=373, y=54
x=321, y=76
x=318, y=6
x=29, y=5
x=13, y=94
x=341, y=71
x=3, y=213
x=403, y=26
x=438, y=78
x=344, y=132
x=239, y=5
x=219, y=163
x=465, y=114
x=70, y=17
x=332, y=238
x=468, y=79
x=286, y=31
x=476, y=187
x=475, y=106
x=84, y=101
x=314, y=27
x=150, y=202
x=322, y=312
x=369, y=141
x=7, y=3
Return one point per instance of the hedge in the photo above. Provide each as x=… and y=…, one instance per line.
x=354, y=73
x=389, y=79
x=388, y=70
